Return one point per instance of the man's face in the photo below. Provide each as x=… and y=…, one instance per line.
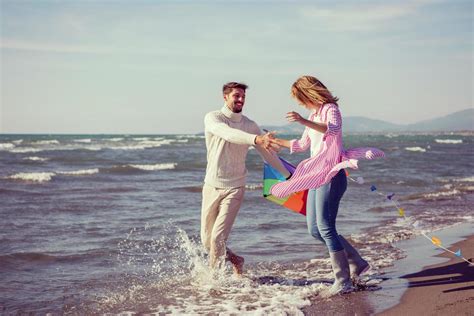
x=235, y=100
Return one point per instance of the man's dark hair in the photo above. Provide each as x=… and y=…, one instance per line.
x=227, y=88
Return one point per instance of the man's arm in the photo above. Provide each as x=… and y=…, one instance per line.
x=224, y=131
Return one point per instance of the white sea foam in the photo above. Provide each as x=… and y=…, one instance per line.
x=115, y=139
x=18, y=141
x=191, y=136
x=419, y=149
x=85, y=140
x=202, y=291
x=141, y=138
x=33, y=176
x=468, y=179
x=22, y=150
x=144, y=145
x=80, y=172
x=6, y=146
x=92, y=148
x=160, y=166
x=47, y=142
x=448, y=141
x=35, y=158
x=443, y=193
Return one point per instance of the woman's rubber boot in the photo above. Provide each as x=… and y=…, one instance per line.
x=340, y=266
x=357, y=265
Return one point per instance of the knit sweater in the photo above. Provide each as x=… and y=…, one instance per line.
x=228, y=138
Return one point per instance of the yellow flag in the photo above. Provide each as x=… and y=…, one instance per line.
x=436, y=241
x=401, y=211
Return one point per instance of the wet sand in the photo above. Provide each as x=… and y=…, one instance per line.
x=413, y=288
x=441, y=289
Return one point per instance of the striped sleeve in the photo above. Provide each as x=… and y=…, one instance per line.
x=333, y=120
x=302, y=144
x=364, y=153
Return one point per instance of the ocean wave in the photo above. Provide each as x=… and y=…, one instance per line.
x=468, y=179
x=159, y=166
x=191, y=136
x=35, y=158
x=448, y=141
x=85, y=140
x=141, y=138
x=46, y=142
x=6, y=146
x=447, y=192
x=91, y=148
x=143, y=145
x=32, y=257
x=24, y=150
x=436, y=195
x=46, y=258
x=419, y=149
x=17, y=142
x=115, y=139
x=33, y=176
x=79, y=172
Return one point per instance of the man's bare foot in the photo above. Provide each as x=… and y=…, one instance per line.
x=238, y=265
x=236, y=261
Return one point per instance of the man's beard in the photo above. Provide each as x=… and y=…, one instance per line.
x=237, y=108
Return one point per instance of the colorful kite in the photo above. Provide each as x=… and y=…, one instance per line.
x=296, y=201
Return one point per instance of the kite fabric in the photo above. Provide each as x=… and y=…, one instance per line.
x=295, y=201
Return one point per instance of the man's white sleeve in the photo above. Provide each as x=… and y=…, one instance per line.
x=232, y=135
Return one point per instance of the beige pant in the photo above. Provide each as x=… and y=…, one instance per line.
x=218, y=213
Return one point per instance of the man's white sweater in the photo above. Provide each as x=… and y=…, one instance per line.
x=228, y=138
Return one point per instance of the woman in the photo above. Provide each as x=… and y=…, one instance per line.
x=324, y=175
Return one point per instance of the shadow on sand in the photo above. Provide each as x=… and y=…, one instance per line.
x=451, y=274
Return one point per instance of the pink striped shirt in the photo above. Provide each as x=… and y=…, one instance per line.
x=328, y=160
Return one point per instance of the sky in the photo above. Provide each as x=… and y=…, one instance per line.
x=157, y=67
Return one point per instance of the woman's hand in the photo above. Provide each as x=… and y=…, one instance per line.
x=294, y=117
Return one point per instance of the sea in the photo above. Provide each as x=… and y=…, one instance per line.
x=109, y=224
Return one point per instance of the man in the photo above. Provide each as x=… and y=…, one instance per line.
x=229, y=134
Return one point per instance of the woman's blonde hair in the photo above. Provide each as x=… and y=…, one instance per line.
x=309, y=90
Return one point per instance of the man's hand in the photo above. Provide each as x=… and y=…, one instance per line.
x=266, y=141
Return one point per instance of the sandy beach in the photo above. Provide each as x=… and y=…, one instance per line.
x=445, y=288
x=441, y=289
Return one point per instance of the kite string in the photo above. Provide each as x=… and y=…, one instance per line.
x=401, y=211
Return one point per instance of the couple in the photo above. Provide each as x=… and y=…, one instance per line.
x=229, y=134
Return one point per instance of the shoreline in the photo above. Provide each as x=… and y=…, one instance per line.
x=440, y=289
x=403, y=292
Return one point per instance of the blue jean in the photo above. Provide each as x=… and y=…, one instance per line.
x=321, y=211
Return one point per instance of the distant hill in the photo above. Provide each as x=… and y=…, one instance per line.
x=457, y=121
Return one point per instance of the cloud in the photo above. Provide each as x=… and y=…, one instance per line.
x=367, y=16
